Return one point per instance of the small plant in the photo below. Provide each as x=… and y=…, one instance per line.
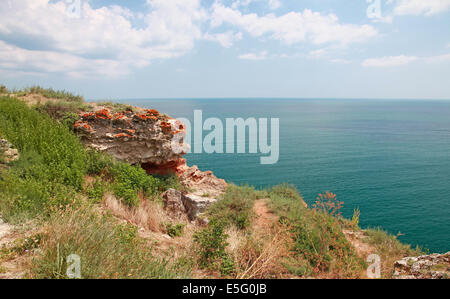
x=96, y=191
x=175, y=230
x=212, y=242
x=235, y=208
x=328, y=203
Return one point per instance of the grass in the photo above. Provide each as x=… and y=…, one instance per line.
x=107, y=250
x=64, y=186
x=49, y=93
x=320, y=247
x=52, y=163
x=390, y=249
x=235, y=208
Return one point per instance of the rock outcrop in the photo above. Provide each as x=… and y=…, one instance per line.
x=434, y=266
x=178, y=204
x=7, y=152
x=152, y=140
x=202, y=183
x=138, y=136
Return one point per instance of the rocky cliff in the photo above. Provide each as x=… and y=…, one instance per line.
x=138, y=136
x=145, y=137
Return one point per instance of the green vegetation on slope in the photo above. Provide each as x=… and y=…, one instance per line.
x=319, y=244
x=47, y=183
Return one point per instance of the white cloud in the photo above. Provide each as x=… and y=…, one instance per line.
x=294, y=27
x=438, y=58
x=421, y=7
x=225, y=39
x=392, y=61
x=254, y=56
x=39, y=35
x=389, y=61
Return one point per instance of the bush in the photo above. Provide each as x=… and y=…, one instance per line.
x=130, y=180
x=235, y=208
x=212, y=242
x=318, y=237
x=51, y=166
x=175, y=230
x=98, y=162
x=96, y=190
x=31, y=131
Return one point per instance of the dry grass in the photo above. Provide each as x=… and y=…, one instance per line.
x=260, y=256
x=148, y=215
x=390, y=250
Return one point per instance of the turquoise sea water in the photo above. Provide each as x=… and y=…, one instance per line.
x=390, y=158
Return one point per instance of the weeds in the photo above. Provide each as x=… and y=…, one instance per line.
x=235, y=208
x=328, y=203
x=106, y=249
x=174, y=230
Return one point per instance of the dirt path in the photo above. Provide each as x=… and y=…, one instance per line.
x=362, y=248
x=10, y=268
x=265, y=218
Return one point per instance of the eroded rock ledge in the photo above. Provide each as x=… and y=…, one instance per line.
x=433, y=266
x=137, y=136
x=145, y=137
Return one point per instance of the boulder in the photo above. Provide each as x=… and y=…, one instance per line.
x=433, y=266
x=178, y=204
x=7, y=152
x=173, y=203
x=195, y=205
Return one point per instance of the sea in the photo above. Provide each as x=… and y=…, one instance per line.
x=388, y=158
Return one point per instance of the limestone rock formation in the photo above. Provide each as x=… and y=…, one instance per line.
x=179, y=204
x=202, y=183
x=434, y=266
x=137, y=136
x=146, y=137
x=7, y=152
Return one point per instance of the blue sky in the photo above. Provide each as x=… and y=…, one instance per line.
x=228, y=48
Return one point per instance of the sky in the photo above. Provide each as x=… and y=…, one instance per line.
x=121, y=49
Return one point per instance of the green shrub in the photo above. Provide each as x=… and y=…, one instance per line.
x=31, y=131
x=96, y=190
x=175, y=230
x=51, y=166
x=318, y=237
x=3, y=89
x=235, y=208
x=129, y=180
x=212, y=242
x=97, y=162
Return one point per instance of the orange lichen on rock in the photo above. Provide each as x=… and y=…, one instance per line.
x=103, y=114
x=120, y=135
x=166, y=127
x=79, y=124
